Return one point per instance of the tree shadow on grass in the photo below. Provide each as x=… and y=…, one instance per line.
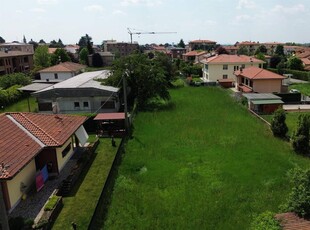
x=159, y=106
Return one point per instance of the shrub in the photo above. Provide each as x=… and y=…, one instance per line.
x=52, y=201
x=300, y=138
x=9, y=80
x=278, y=125
x=265, y=221
x=178, y=83
x=299, y=197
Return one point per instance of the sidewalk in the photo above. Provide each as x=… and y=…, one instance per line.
x=297, y=107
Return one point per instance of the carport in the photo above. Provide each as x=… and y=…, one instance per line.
x=110, y=124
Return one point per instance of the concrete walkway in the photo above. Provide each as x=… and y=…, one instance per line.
x=297, y=107
x=293, y=80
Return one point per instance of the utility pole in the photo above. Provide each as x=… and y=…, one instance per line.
x=4, y=223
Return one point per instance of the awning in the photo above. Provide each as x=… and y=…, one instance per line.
x=110, y=116
x=267, y=102
x=82, y=135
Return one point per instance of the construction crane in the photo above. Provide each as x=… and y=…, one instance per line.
x=131, y=33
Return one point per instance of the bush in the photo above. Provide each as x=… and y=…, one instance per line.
x=299, y=197
x=300, y=138
x=9, y=80
x=179, y=83
x=265, y=221
x=301, y=75
x=278, y=125
x=52, y=201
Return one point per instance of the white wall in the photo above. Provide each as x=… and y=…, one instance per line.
x=51, y=76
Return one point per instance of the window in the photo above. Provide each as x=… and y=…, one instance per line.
x=243, y=66
x=260, y=65
x=225, y=67
x=85, y=104
x=56, y=75
x=206, y=67
x=66, y=150
x=225, y=76
x=76, y=105
x=236, y=67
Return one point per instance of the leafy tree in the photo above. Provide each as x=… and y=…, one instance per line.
x=279, y=50
x=42, y=58
x=280, y=67
x=86, y=41
x=300, y=138
x=278, y=125
x=181, y=44
x=261, y=49
x=2, y=40
x=299, y=197
x=145, y=79
x=243, y=51
x=35, y=44
x=9, y=80
x=265, y=221
x=60, y=44
x=42, y=41
x=295, y=63
x=83, y=56
x=97, y=60
x=60, y=55
x=161, y=60
x=221, y=50
x=274, y=61
x=260, y=56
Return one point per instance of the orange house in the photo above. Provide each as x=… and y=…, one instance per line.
x=257, y=80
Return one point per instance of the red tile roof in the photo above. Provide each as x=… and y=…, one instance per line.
x=24, y=135
x=202, y=41
x=290, y=221
x=194, y=53
x=248, y=43
x=306, y=61
x=257, y=73
x=226, y=58
x=63, y=67
x=110, y=116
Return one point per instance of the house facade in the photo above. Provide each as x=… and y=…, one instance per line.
x=61, y=72
x=206, y=45
x=120, y=48
x=194, y=56
x=31, y=142
x=80, y=94
x=15, y=61
x=14, y=46
x=257, y=80
x=223, y=66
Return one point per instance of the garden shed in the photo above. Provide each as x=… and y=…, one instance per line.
x=263, y=103
x=110, y=124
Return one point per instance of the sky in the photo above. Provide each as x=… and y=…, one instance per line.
x=223, y=21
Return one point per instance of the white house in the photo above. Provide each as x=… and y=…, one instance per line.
x=79, y=94
x=223, y=66
x=60, y=72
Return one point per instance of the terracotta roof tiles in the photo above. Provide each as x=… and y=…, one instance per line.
x=63, y=67
x=226, y=58
x=257, y=73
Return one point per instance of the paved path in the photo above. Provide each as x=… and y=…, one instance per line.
x=297, y=107
x=293, y=80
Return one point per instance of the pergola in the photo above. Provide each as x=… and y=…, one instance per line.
x=110, y=124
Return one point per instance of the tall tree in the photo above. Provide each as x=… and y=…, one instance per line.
x=24, y=39
x=86, y=41
x=279, y=50
x=300, y=138
x=83, y=56
x=42, y=41
x=2, y=40
x=295, y=63
x=181, y=44
x=35, y=44
x=60, y=44
x=274, y=61
x=60, y=55
x=243, y=51
x=42, y=58
x=261, y=49
x=221, y=50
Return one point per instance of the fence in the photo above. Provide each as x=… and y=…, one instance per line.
x=100, y=212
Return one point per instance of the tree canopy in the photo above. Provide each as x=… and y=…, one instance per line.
x=221, y=50
x=86, y=42
x=2, y=40
x=243, y=51
x=279, y=50
x=42, y=58
x=261, y=49
x=83, y=56
x=181, y=44
x=145, y=77
x=60, y=55
x=295, y=63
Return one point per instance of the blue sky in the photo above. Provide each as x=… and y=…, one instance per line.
x=224, y=21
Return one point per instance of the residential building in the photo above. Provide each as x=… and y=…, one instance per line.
x=194, y=56
x=61, y=72
x=206, y=45
x=31, y=142
x=232, y=50
x=14, y=46
x=223, y=66
x=120, y=48
x=257, y=80
x=107, y=58
x=79, y=94
x=15, y=61
x=249, y=45
x=263, y=103
x=271, y=46
x=176, y=52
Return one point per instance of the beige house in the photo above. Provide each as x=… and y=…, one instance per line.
x=257, y=80
x=223, y=66
x=31, y=142
x=15, y=61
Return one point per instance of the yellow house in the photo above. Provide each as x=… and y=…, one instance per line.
x=223, y=66
x=30, y=142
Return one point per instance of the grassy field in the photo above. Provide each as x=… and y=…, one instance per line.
x=80, y=206
x=22, y=106
x=206, y=164
x=304, y=88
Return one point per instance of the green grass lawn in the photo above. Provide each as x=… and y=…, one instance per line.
x=80, y=206
x=206, y=164
x=22, y=106
x=304, y=88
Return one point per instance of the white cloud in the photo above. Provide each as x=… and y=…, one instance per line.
x=18, y=11
x=47, y=2
x=248, y=4
x=37, y=10
x=94, y=8
x=243, y=17
x=210, y=23
x=299, y=8
x=119, y=12
x=141, y=2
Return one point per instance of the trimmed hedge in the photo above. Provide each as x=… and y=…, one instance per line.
x=301, y=75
